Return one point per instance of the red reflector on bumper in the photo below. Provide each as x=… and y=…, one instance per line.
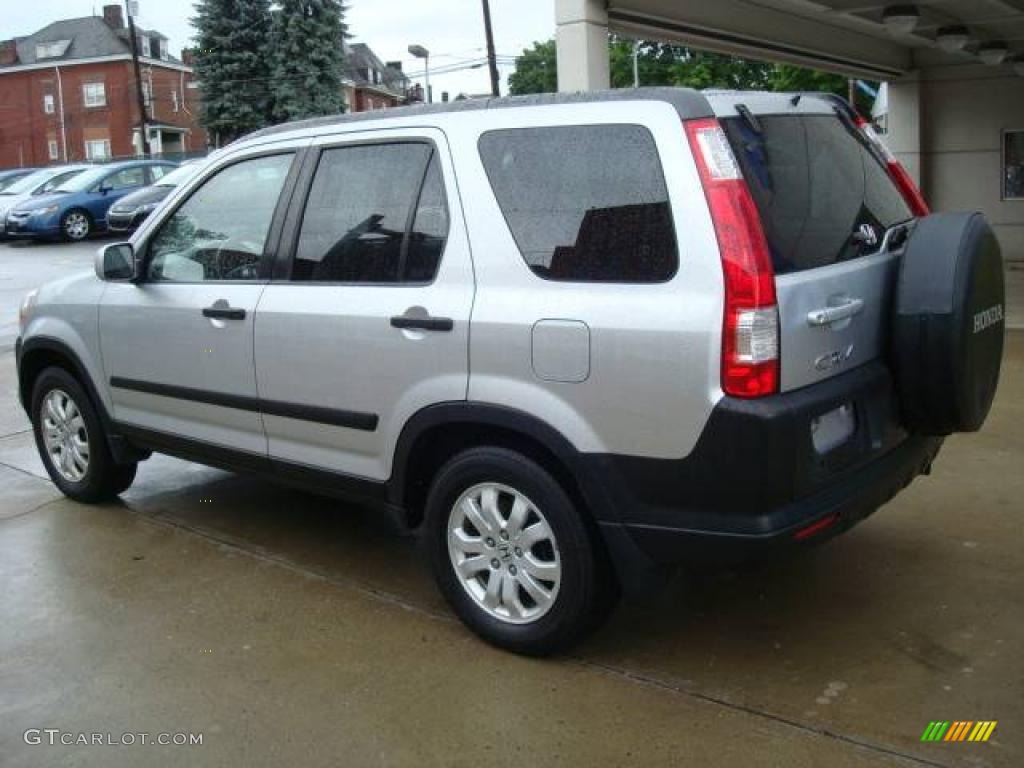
x=816, y=527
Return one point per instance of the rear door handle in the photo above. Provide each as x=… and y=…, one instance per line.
x=224, y=313
x=829, y=315
x=422, y=323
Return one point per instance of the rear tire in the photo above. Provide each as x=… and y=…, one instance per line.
x=72, y=442
x=513, y=555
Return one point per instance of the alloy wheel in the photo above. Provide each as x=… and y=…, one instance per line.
x=76, y=225
x=65, y=435
x=504, y=553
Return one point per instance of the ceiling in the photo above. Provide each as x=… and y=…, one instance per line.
x=846, y=36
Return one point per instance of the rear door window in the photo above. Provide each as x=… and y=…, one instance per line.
x=584, y=203
x=376, y=214
x=815, y=184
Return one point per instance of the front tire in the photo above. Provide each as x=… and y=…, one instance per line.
x=75, y=225
x=72, y=442
x=513, y=555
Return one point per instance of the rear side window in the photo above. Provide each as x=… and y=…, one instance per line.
x=584, y=203
x=815, y=184
x=376, y=214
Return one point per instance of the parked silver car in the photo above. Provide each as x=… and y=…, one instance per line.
x=40, y=182
x=575, y=339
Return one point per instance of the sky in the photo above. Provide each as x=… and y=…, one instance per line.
x=452, y=30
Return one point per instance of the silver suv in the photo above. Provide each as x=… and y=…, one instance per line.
x=576, y=340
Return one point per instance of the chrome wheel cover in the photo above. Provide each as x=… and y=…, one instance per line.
x=504, y=553
x=76, y=225
x=64, y=435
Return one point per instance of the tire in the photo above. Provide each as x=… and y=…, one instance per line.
x=520, y=619
x=76, y=225
x=948, y=324
x=97, y=477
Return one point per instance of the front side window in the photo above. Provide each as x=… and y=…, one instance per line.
x=585, y=203
x=94, y=94
x=220, y=232
x=1013, y=165
x=376, y=214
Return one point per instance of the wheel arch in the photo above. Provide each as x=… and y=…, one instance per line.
x=436, y=433
x=37, y=354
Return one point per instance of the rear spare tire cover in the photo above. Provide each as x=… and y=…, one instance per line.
x=948, y=324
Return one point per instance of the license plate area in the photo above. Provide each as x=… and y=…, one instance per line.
x=833, y=429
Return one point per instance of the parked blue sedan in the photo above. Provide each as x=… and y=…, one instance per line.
x=79, y=206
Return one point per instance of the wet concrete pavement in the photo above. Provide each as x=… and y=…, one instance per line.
x=292, y=630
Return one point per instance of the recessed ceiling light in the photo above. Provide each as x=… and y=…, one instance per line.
x=993, y=53
x=952, y=39
x=900, y=19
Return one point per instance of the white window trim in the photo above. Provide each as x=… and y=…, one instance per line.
x=54, y=149
x=146, y=48
x=106, y=149
x=48, y=104
x=93, y=101
x=1002, y=165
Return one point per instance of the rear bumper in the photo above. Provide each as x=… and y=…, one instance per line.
x=754, y=483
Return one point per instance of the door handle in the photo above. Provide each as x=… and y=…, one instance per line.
x=224, y=313
x=829, y=315
x=422, y=323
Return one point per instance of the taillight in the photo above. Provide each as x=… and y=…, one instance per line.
x=911, y=194
x=750, y=331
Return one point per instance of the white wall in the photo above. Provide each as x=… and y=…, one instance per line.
x=963, y=113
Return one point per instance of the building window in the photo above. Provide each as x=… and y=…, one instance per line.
x=48, y=103
x=1013, y=165
x=52, y=50
x=94, y=95
x=146, y=51
x=147, y=93
x=98, y=149
x=54, y=154
x=163, y=50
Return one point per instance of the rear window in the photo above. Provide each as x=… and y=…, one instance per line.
x=815, y=184
x=584, y=203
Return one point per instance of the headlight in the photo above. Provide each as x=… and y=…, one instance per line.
x=25, y=310
x=147, y=208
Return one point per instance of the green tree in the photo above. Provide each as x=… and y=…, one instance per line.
x=679, y=65
x=536, y=70
x=231, y=63
x=308, y=58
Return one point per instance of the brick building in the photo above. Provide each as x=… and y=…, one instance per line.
x=372, y=84
x=67, y=93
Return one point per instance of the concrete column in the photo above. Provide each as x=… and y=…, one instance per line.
x=582, y=38
x=905, y=125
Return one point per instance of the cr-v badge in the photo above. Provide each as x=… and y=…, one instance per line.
x=833, y=359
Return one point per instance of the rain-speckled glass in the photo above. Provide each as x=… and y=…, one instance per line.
x=585, y=203
x=357, y=226
x=815, y=184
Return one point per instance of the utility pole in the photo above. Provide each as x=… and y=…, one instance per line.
x=492, y=62
x=143, y=119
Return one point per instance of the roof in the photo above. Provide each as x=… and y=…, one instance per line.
x=361, y=57
x=90, y=37
x=688, y=103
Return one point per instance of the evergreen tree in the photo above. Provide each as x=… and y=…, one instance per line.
x=232, y=64
x=309, y=58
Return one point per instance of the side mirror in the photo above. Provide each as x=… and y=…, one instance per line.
x=116, y=262
x=104, y=189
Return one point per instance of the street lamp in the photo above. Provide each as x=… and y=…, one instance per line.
x=422, y=53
